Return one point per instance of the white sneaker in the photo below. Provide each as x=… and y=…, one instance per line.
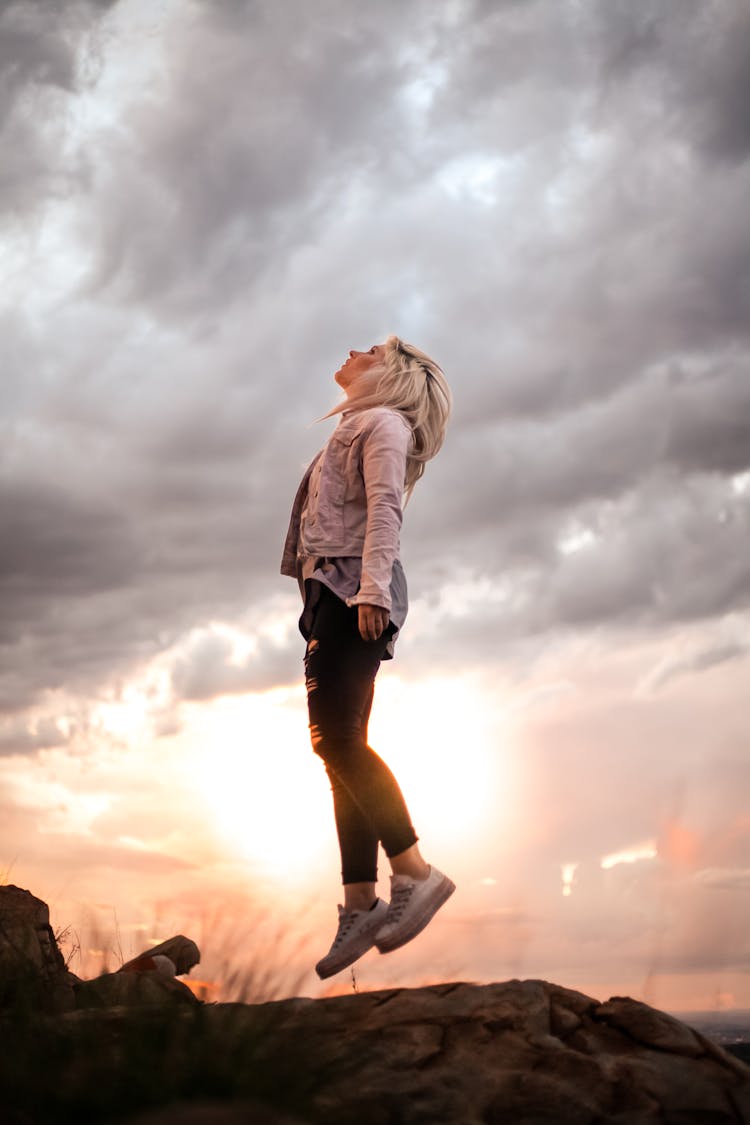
x=355, y=935
x=414, y=903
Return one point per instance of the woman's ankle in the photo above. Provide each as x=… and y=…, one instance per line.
x=411, y=863
x=359, y=896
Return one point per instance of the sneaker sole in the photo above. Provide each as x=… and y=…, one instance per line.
x=345, y=960
x=444, y=891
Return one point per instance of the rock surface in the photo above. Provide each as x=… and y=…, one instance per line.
x=522, y=1052
x=518, y=1052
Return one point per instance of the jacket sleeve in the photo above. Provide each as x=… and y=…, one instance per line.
x=384, y=452
x=291, y=543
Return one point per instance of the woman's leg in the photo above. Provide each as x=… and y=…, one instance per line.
x=357, y=840
x=340, y=674
x=352, y=825
x=358, y=845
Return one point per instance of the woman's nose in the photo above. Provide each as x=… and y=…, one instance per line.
x=352, y=353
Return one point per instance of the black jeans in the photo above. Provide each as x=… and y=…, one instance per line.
x=340, y=670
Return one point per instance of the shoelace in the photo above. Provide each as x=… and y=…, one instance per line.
x=399, y=900
x=345, y=925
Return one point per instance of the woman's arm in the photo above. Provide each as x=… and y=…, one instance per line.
x=384, y=452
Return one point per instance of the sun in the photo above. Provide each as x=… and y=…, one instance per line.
x=268, y=796
x=266, y=792
x=436, y=735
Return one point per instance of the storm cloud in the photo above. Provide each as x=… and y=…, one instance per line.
x=550, y=198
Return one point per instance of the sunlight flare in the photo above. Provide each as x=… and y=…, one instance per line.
x=646, y=850
x=249, y=758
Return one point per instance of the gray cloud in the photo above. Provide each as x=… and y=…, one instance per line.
x=726, y=879
x=696, y=66
x=208, y=669
x=17, y=737
x=256, y=142
x=549, y=198
x=711, y=657
x=40, y=48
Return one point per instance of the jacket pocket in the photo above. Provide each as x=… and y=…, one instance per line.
x=341, y=469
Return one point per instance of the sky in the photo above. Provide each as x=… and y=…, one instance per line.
x=203, y=207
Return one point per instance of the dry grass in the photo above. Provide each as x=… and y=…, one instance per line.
x=251, y=961
x=247, y=960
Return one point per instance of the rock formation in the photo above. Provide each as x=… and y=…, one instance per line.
x=176, y=956
x=518, y=1052
x=32, y=968
x=33, y=971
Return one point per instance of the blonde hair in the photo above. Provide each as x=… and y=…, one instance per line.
x=416, y=386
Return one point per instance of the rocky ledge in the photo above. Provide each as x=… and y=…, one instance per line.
x=517, y=1052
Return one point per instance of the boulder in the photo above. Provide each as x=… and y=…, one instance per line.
x=134, y=988
x=33, y=973
x=32, y=968
x=179, y=952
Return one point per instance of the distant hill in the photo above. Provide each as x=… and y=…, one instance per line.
x=730, y=1029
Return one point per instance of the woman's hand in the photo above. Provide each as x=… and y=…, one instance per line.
x=373, y=621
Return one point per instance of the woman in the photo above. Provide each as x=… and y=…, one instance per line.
x=343, y=547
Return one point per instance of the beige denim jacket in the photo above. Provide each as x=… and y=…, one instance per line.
x=356, y=506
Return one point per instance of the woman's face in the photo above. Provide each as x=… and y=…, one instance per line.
x=361, y=372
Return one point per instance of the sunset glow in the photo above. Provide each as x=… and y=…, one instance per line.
x=266, y=794
x=250, y=760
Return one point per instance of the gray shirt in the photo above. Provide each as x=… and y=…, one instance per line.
x=342, y=577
